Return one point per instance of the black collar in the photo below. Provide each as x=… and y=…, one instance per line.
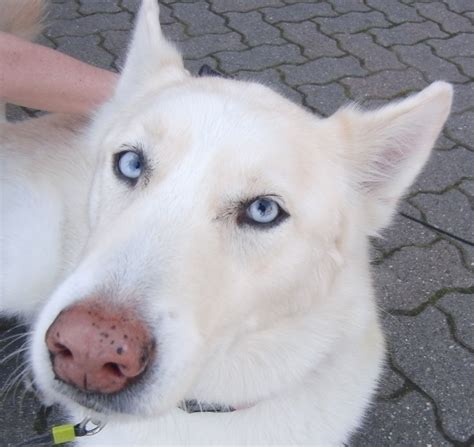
x=194, y=406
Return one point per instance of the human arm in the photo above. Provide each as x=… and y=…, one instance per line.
x=39, y=77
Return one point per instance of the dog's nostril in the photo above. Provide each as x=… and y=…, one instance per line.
x=113, y=369
x=62, y=350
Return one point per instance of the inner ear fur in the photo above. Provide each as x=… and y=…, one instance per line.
x=387, y=148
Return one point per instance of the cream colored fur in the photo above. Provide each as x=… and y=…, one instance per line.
x=280, y=322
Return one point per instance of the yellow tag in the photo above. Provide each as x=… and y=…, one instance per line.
x=63, y=433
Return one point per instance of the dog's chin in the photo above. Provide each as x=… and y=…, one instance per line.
x=134, y=400
x=122, y=403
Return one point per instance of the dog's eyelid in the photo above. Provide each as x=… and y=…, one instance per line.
x=134, y=147
x=275, y=197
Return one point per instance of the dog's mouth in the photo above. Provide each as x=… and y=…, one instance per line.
x=126, y=401
x=122, y=402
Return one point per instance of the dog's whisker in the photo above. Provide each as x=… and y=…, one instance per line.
x=381, y=309
x=13, y=378
x=15, y=327
x=19, y=383
x=12, y=339
x=15, y=353
x=22, y=333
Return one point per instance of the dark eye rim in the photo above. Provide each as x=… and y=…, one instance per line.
x=116, y=160
x=244, y=220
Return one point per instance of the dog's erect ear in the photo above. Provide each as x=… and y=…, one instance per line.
x=149, y=53
x=387, y=148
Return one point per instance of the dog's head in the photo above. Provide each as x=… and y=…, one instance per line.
x=227, y=251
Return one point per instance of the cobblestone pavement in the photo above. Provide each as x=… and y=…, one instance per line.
x=324, y=54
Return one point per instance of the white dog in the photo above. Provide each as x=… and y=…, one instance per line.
x=204, y=242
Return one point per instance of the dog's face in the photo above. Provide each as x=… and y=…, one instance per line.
x=228, y=221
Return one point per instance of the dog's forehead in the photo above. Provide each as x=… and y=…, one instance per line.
x=250, y=135
x=219, y=115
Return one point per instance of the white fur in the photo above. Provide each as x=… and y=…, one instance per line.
x=280, y=323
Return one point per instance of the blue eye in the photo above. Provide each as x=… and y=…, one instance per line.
x=129, y=164
x=262, y=212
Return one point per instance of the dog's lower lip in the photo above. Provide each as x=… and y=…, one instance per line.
x=123, y=402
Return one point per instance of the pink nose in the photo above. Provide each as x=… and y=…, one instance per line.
x=99, y=348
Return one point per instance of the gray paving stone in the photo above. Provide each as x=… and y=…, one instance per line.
x=297, y=12
x=323, y=70
x=43, y=40
x=461, y=308
x=324, y=99
x=199, y=19
x=450, y=211
x=443, y=370
x=434, y=68
x=395, y=11
x=460, y=5
x=314, y=43
x=459, y=45
x=202, y=46
x=412, y=275
x=343, y=6
x=385, y=84
x=449, y=21
x=469, y=15
x=133, y=5
x=390, y=383
x=89, y=25
x=175, y=32
x=402, y=232
x=116, y=42
x=409, y=421
x=466, y=65
x=86, y=49
x=462, y=129
x=463, y=98
x=407, y=33
x=93, y=6
x=193, y=66
x=254, y=30
x=166, y=15
x=467, y=252
x=444, y=143
x=353, y=22
x=444, y=168
x=468, y=187
x=66, y=10
x=242, y=5
x=258, y=58
x=374, y=57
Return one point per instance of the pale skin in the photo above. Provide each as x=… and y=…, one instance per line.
x=38, y=77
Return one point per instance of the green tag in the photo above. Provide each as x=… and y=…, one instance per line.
x=63, y=433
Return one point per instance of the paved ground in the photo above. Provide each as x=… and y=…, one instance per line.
x=323, y=54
